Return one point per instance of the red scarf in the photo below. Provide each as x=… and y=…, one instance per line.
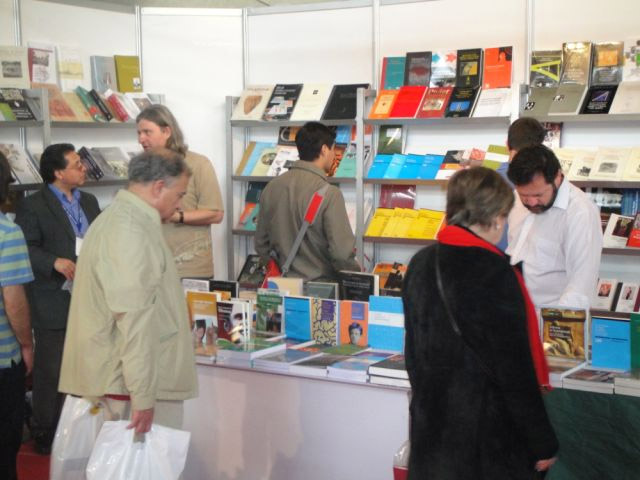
x=459, y=237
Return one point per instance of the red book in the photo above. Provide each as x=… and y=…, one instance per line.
x=634, y=236
x=497, y=68
x=408, y=101
x=435, y=101
x=121, y=113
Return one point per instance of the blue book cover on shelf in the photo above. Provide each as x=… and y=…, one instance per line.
x=255, y=155
x=393, y=74
x=386, y=323
x=395, y=166
x=343, y=134
x=411, y=167
x=297, y=318
x=347, y=167
x=430, y=166
x=379, y=166
x=610, y=343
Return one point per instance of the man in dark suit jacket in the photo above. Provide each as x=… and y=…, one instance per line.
x=54, y=221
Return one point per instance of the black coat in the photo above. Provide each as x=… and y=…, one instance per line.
x=49, y=236
x=465, y=424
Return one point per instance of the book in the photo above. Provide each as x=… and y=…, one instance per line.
x=568, y=99
x=282, y=361
x=312, y=101
x=493, y=103
x=22, y=166
x=581, y=165
x=390, y=139
x=379, y=166
x=246, y=215
x=395, y=166
x=497, y=68
x=389, y=381
x=469, y=68
x=427, y=224
x=316, y=366
x=140, y=99
x=250, y=157
x=605, y=293
x=546, y=66
x=384, y=104
x=553, y=134
x=285, y=156
x=462, y=101
x=386, y=323
x=102, y=105
x=610, y=343
x=265, y=158
x=128, y=73
x=563, y=334
x=42, y=63
x=626, y=99
x=227, y=289
x=539, y=101
x=618, y=230
x=90, y=163
x=269, y=311
x=609, y=163
x=434, y=103
x=590, y=380
x=203, y=319
x=397, y=196
x=599, y=99
x=358, y=286
x=411, y=166
x=407, y=101
x=628, y=297
x=354, y=323
x=379, y=222
x=392, y=77
x=393, y=367
x=417, y=69
x=103, y=73
x=634, y=235
x=14, y=67
x=342, y=102
x=391, y=276
x=107, y=171
x=81, y=114
x=252, y=102
x=347, y=166
x=116, y=158
x=321, y=290
x=16, y=102
x=443, y=68
x=297, y=317
x=286, y=285
x=631, y=66
x=117, y=106
x=252, y=274
x=89, y=104
x=608, y=59
x=70, y=67
x=59, y=110
x=324, y=321
x=576, y=63
x=243, y=354
x=233, y=323
x=282, y=102
x=356, y=367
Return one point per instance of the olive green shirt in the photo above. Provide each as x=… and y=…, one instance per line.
x=191, y=244
x=328, y=245
x=128, y=328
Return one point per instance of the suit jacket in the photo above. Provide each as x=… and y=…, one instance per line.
x=49, y=236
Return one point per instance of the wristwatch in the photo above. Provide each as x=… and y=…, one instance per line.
x=181, y=219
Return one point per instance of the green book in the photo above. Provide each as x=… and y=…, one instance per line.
x=635, y=342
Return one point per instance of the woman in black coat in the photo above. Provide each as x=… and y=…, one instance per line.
x=475, y=364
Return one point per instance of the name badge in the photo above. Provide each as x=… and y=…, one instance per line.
x=78, y=246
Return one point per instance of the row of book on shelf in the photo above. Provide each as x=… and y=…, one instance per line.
x=101, y=163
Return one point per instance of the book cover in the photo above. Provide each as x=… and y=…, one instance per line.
x=117, y=107
x=397, y=196
x=282, y=102
x=90, y=163
x=392, y=366
x=395, y=166
x=568, y=99
x=103, y=73
x=281, y=361
x=321, y=290
x=117, y=159
x=89, y=104
x=286, y=285
x=392, y=225
x=16, y=102
x=539, y=101
x=610, y=343
x=233, y=325
x=126, y=102
x=324, y=321
x=493, y=103
x=469, y=68
x=264, y=160
x=251, y=156
x=356, y=367
x=252, y=102
x=203, y=319
x=427, y=224
x=609, y=163
x=581, y=165
x=497, y=68
x=608, y=59
x=386, y=323
x=588, y=379
x=108, y=172
x=252, y=274
x=599, y=99
x=408, y=101
x=576, y=63
x=462, y=101
x=379, y=222
x=297, y=317
x=635, y=341
x=617, y=232
x=102, y=105
x=435, y=101
x=634, y=235
x=357, y=286
x=316, y=366
x=285, y=155
x=443, y=68
x=546, y=66
x=70, y=67
x=410, y=167
x=42, y=63
x=347, y=166
x=379, y=166
x=605, y=293
x=628, y=297
x=342, y=102
x=553, y=134
x=632, y=169
x=384, y=104
x=563, y=333
x=128, y=73
x=392, y=77
x=81, y=114
x=354, y=323
x=391, y=276
x=269, y=311
x=14, y=67
x=626, y=99
x=417, y=69
x=22, y=167
x=631, y=66
x=390, y=139
x=312, y=101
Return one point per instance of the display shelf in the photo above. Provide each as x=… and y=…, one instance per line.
x=287, y=123
x=20, y=123
x=405, y=181
x=98, y=125
x=605, y=184
x=586, y=118
x=248, y=178
x=399, y=241
x=629, y=251
x=22, y=187
x=448, y=121
x=610, y=314
x=245, y=233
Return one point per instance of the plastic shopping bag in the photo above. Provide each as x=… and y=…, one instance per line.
x=401, y=462
x=118, y=455
x=79, y=425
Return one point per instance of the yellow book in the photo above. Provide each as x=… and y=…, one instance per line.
x=203, y=315
x=409, y=216
x=76, y=105
x=245, y=158
x=128, y=73
x=426, y=225
x=393, y=223
x=378, y=222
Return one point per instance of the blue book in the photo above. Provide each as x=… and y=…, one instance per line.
x=610, y=343
x=343, y=134
x=393, y=72
x=379, y=166
x=255, y=155
x=386, y=323
x=411, y=167
x=297, y=318
x=430, y=166
x=395, y=166
x=347, y=167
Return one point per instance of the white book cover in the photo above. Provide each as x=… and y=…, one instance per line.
x=568, y=99
x=21, y=166
x=252, y=102
x=70, y=68
x=631, y=67
x=605, y=292
x=311, y=102
x=627, y=99
x=617, y=232
x=389, y=381
x=43, y=64
x=632, y=169
x=495, y=102
x=14, y=67
x=581, y=166
x=566, y=156
x=116, y=158
x=609, y=163
x=279, y=165
x=141, y=99
x=628, y=297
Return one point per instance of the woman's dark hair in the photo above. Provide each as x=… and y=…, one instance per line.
x=310, y=139
x=533, y=160
x=52, y=159
x=476, y=196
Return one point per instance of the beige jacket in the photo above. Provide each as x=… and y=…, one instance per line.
x=329, y=243
x=128, y=328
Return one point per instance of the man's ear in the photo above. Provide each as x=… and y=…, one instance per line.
x=157, y=187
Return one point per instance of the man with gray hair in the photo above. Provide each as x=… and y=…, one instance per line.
x=128, y=340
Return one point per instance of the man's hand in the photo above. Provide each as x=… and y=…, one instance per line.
x=544, y=465
x=141, y=420
x=66, y=267
x=27, y=358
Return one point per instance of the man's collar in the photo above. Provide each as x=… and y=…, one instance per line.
x=60, y=194
x=309, y=167
x=130, y=197
x=562, y=198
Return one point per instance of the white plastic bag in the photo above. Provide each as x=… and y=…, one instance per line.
x=401, y=458
x=161, y=454
x=79, y=425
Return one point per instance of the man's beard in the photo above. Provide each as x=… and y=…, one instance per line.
x=543, y=208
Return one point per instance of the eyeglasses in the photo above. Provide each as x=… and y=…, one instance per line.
x=75, y=166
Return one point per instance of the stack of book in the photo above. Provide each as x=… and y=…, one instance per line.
x=390, y=371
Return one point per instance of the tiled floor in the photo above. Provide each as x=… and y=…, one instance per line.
x=32, y=466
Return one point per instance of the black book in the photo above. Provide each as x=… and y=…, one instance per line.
x=342, y=102
x=101, y=105
x=90, y=163
x=357, y=286
x=252, y=273
x=16, y=101
x=224, y=286
x=417, y=68
x=599, y=99
x=469, y=68
x=108, y=172
x=254, y=191
x=282, y=101
x=462, y=101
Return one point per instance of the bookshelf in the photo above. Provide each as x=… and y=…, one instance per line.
x=453, y=121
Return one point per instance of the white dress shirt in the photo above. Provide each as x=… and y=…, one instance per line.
x=560, y=248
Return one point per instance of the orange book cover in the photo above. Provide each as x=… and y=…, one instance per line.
x=384, y=103
x=246, y=214
x=497, y=67
x=634, y=236
x=408, y=101
x=203, y=316
x=354, y=323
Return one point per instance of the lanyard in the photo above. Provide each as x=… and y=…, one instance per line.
x=75, y=218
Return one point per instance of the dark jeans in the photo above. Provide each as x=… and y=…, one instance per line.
x=11, y=418
x=47, y=402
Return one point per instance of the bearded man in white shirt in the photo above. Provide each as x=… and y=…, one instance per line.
x=554, y=230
